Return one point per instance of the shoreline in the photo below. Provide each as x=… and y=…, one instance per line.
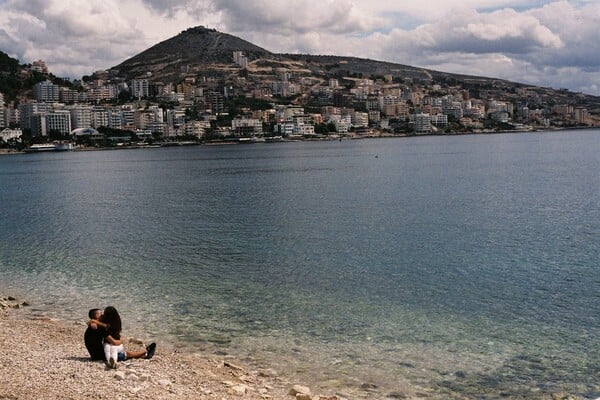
x=316, y=139
x=45, y=358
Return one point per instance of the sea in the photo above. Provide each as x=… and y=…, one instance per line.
x=433, y=267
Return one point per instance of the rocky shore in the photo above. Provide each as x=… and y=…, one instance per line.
x=44, y=358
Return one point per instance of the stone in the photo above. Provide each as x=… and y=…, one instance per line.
x=133, y=377
x=299, y=389
x=119, y=375
x=164, y=382
x=368, y=386
x=268, y=373
x=240, y=389
x=145, y=377
x=303, y=396
x=10, y=298
x=232, y=366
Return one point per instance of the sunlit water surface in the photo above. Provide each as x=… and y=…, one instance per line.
x=433, y=266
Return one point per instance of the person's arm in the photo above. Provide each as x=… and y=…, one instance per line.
x=94, y=324
x=113, y=341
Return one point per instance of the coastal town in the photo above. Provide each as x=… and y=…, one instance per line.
x=254, y=99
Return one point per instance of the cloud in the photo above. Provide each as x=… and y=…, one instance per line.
x=334, y=16
x=535, y=41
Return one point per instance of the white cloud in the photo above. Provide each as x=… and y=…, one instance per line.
x=539, y=42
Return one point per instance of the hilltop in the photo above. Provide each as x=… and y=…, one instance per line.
x=208, y=52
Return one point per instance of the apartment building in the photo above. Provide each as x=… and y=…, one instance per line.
x=58, y=121
x=46, y=91
x=81, y=115
x=3, y=118
x=246, y=126
x=140, y=88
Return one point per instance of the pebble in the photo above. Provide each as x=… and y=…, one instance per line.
x=299, y=389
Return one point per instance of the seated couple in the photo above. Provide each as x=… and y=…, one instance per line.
x=103, y=338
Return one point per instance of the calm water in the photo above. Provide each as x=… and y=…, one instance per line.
x=436, y=265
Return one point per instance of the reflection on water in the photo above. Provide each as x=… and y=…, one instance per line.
x=443, y=265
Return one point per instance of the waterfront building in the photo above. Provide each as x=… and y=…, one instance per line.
x=197, y=128
x=242, y=126
x=7, y=134
x=439, y=120
x=81, y=115
x=421, y=123
x=58, y=121
x=27, y=110
x=360, y=119
x=99, y=117
x=581, y=115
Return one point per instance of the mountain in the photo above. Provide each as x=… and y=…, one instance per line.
x=209, y=53
x=191, y=47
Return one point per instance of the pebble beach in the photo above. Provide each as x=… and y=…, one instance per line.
x=45, y=358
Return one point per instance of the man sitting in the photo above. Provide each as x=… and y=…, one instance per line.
x=95, y=334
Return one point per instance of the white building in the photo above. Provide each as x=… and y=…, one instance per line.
x=197, y=128
x=28, y=110
x=58, y=121
x=360, y=119
x=99, y=117
x=246, y=126
x=46, y=91
x=8, y=134
x=421, y=122
x=3, y=122
x=140, y=88
x=81, y=115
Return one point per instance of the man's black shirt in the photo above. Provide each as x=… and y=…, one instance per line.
x=93, y=342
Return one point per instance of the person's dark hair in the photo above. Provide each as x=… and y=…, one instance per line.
x=112, y=318
x=92, y=312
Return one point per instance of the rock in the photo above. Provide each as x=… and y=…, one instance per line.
x=299, y=389
x=368, y=386
x=240, y=390
x=137, y=341
x=136, y=389
x=303, y=396
x=119, y=375
x=25, y=304
x=144, y=377
x=164, y=382
x=10, y=298
x=232, y=366
x=268, y=373
x=133, y=377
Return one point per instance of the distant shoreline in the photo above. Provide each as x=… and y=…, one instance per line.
x=316, y=139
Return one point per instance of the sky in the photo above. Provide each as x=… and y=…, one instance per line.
x=547, y=43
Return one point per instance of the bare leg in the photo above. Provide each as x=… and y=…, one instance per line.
x=136, y=354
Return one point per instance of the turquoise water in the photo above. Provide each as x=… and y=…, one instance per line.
x=435, y=265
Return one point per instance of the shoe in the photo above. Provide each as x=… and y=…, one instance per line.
x=150, y=349
x=112, y=363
